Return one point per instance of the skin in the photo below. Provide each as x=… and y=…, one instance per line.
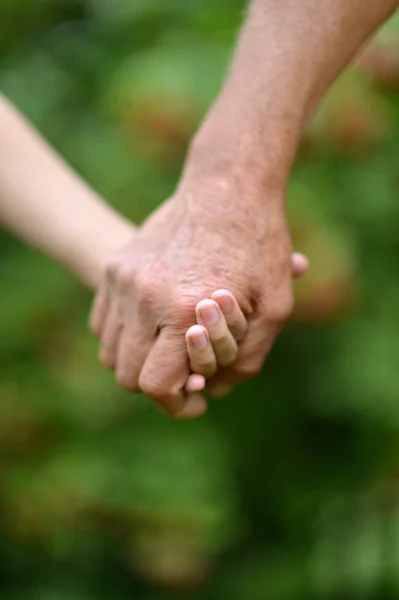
x=144, y=319
x=40, y=199
x=225, y=226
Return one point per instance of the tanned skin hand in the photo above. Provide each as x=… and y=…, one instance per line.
x=225, y=227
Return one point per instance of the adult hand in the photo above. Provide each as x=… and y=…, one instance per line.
x=192, y=245
x=229, y=233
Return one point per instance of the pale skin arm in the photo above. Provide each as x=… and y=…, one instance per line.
x=49, y=206
x=232, y=188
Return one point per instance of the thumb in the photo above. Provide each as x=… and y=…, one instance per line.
x=164, y=375
x=300, y=264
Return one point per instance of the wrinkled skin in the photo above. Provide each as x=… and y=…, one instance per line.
x=190, y=246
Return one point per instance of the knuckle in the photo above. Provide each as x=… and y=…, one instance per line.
x=184, y=311
x=125, y=278
x=144, y=288
x=154, y=389
x=126, y=380
x=111, y=271
x=280, y=312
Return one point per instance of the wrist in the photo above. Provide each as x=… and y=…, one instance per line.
x=248, y=149
x=97, y=243
x=231, y=199
x=228, y=177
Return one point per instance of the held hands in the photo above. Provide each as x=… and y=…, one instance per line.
x=164, y=278
x=221, y=325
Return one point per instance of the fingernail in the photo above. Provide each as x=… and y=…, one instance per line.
x=210, y=314
x=198, y=341
x=225, y=303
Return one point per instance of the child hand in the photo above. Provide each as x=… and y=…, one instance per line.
x=221, y=324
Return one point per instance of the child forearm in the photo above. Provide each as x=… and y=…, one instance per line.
x=49, y=206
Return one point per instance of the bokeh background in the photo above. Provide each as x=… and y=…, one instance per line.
x=289, y=488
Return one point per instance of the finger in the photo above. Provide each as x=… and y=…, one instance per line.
x=134, y=346
x=218, y=390
x=273, y=311
x=200, y=351
x=195, y=406
x=195, y=383
x=165, y=373
x=235, y=318
x=252, y=352
x=99, y=311
x=232, y=312
x=224, y=345
x=110, y=337
x=254, y=348
x=300, y=264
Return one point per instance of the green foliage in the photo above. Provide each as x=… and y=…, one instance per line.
x=287, y=489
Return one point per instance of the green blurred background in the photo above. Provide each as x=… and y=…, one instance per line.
x=289, y=488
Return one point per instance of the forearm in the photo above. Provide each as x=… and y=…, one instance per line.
x=288, y=54
x=48, y=205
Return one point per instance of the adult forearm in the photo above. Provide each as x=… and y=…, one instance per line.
x=288, y=54
x=48, y=205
